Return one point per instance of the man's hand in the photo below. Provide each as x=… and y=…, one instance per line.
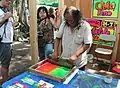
x=7, y=15
x=55, y=55
x=73, y=58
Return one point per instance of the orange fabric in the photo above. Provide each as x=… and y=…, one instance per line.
x=46, y=67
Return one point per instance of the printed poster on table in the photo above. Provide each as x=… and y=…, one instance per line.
x=102, y=27
x=105, y=8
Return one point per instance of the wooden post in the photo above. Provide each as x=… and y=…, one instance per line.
x=61, y=6
x=61, y=9
x=116, y=52
x=33, y=30
x=77, y=4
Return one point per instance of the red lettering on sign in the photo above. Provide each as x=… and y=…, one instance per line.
x=105, y=6
x=104, y=13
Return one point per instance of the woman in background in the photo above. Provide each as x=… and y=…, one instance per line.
x=45, y=33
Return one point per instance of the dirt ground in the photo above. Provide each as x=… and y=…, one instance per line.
x=21, y=58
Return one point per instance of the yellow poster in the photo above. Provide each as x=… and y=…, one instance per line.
x=105, y=8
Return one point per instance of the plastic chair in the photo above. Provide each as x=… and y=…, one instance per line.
x=104, y=49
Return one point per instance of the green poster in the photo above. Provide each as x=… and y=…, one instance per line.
x=105, y=8
x=53, y=3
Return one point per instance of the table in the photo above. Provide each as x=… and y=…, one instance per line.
x=81, y=80
x=88, y=80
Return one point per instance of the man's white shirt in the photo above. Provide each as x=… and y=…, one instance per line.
x=8, y=36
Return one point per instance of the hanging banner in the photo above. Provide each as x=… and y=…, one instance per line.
x=102, y=27
x=105, y=8
x=52, y=3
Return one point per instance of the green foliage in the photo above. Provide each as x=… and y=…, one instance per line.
x=18, y=8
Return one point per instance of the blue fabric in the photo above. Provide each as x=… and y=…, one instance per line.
x=87, y=80
x=81, y=80
x=48, y=49
x=45, y=50
x=33, y=76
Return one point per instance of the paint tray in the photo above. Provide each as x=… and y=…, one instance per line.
x=51, y=70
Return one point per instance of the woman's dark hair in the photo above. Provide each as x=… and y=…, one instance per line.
x=44, y=9
x=51, y=13
x=76, y=14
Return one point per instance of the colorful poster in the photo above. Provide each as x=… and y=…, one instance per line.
x=101, y=27
x=105, y=8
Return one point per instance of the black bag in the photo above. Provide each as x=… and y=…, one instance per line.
x=0, y=39
x=1, y=36
x=41, y=42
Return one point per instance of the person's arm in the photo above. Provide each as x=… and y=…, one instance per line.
x=79, y=52
x=57, y=40
x=82, y=49
x=56, y=48
x=7, y=15
x=2, y=20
